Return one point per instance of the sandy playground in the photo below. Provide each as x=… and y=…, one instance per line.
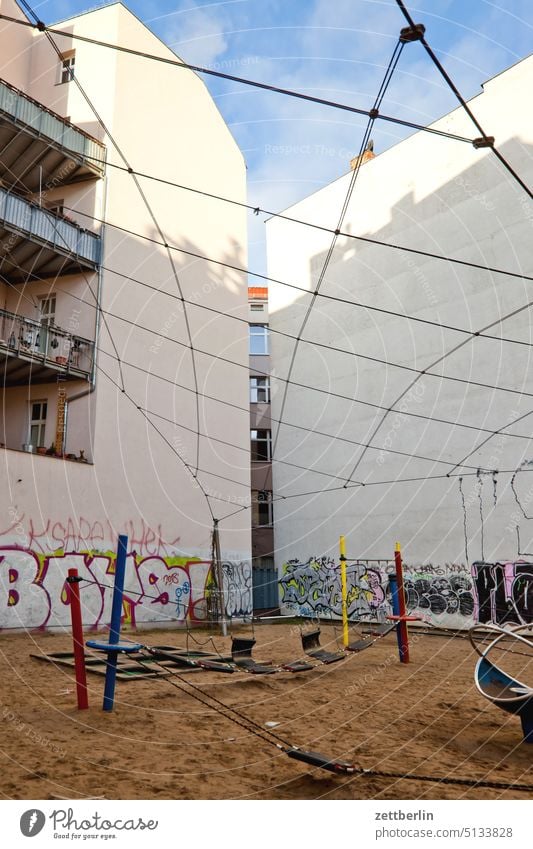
x=426, y=718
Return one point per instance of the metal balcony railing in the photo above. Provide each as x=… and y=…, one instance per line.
x=55, y=233
x=44, y=123
x=45, y=344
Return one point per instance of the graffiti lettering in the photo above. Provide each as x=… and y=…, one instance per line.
x=437, y=593
x=34, y=592
x=504, y=592
x=83, y=535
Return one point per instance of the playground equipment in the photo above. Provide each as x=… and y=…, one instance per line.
x=498, y=686
x=146, y=657
x=399, y=617
x=73, y=580
x=113, y=647
x=311, y=646
x=241, y=655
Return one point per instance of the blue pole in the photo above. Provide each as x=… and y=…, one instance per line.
x=393, y=584
x=116, y=616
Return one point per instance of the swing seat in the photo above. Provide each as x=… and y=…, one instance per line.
x=184, y=652
x=322, y=761
x=297, y=666
x=311, y=646
x=183, y=660
x=360, y=645
x=241, y=652
x=125, y=648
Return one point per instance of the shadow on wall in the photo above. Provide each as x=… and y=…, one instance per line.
x=481, y=216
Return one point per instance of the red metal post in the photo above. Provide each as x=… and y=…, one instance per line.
x=403, y=637
x=77, y=638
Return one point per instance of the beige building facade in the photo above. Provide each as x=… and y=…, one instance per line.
x=410, y=409
x=125, y=380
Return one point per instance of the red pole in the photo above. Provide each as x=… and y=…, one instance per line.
x=77, y=638
x=403, y=641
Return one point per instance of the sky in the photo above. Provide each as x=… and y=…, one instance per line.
x=337, y=51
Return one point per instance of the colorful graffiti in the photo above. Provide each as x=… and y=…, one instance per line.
x=313, y=588
x=504, y=592
x=449, y=595
x=158, y=588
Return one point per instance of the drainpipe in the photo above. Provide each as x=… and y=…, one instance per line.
x=92, y=379
x=99, y=289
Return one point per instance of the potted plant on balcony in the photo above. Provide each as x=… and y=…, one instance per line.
x=42, y=449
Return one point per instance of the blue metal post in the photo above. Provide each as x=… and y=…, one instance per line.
x=116, y=616
x=393, y=584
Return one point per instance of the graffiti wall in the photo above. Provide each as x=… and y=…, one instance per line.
x=453, y=595
x=160, y=586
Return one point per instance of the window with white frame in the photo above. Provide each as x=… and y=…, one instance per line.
x=258, y=339
x=47, y=310
x=261, y=445
x=47, y=316
x=259, y=390
x=68, y=62
x=262, y=512
x=38, y=410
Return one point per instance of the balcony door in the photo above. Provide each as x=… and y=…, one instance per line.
x=38, y=410
x=47, y=317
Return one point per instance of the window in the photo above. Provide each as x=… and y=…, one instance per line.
x=56, y=206
x=37, y=423
x=262, y=514
x=67, y=67
x=259, y=390
x=261, y=445
x=257, y=307
x=47, y=309
x=258, y=339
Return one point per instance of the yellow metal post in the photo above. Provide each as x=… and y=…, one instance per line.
x=344, y=591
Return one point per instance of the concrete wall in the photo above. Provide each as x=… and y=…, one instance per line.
x=452, y=595
x=444, y=197
x=17, y=43
x=165, y=124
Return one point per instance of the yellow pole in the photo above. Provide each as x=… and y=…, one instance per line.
x=344, y=590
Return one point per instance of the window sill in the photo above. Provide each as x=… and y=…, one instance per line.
x=47, y=456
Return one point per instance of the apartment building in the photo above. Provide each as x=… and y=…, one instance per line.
x=118, y=416
x=264, y=573
x=410, y=408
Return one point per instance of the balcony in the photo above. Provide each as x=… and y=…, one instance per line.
x=39, y=148
x=31, y=352
x=37, y=244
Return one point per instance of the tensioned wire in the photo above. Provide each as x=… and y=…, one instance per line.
x=305, y=340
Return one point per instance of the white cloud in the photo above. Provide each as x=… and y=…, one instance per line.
x=197, y=34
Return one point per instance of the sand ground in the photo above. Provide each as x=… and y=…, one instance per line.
x=425, y=718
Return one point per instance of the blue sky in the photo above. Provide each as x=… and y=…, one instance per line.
x=333, y=50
